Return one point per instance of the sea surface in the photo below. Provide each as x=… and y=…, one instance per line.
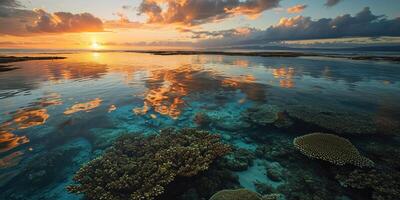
x=56, y=115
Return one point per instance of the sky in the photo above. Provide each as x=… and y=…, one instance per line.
x=187, y=24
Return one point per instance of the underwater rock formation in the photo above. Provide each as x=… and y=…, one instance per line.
x=139, y=167
x=240, y=159
x=338, y=122
x=331, y=148
x=262, y=115
x=384, y=185
x=202, y=120
x=238, y=194
x=267, y=114
x=227, y=120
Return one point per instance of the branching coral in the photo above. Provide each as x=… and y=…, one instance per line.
x=331, y=148
x=384, y=185
x=139, y=167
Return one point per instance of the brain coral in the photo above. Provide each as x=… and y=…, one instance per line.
x=331, y=148
x=139, y=167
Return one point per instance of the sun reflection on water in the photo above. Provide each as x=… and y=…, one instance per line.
x=10, y=141
x=87, y=106
x=285, y=76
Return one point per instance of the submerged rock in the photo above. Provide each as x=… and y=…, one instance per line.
x=139, y=167
x=339, y=122
x=226, y=120
x=331, y=148
x=238, y=194
x=262, y=115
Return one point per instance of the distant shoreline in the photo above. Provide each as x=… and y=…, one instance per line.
x=273, y=54
x=287, y=54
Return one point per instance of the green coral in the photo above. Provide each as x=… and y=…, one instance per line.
x=384, y=185
x=331, y=148
x=139, y=167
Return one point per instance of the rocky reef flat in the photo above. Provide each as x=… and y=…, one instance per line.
x=11, y=59
x=287, y=54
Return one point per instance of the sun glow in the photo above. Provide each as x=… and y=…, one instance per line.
x=95, y=45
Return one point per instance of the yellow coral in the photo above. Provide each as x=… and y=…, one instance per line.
x=331, y=148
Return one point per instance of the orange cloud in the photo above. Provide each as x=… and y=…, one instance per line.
x=194, y=12
x=28, y=22
x=289, y=22
x=65, y=22
x=296, y=9
x=122, y=23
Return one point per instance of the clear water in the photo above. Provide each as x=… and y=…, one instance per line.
x=57, y=115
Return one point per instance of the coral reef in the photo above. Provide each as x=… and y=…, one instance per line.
x=138, y=167
x=262, y=115
x=275, y=172
x=385, y=185
x=204, y=184
x=202, y=120
x=240, y=159
x=238, y=194
x=339, y=122
x=331, y=148
x=227, y=120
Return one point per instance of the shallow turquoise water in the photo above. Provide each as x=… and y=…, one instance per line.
x=57, y=115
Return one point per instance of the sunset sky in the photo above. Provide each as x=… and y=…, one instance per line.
x=182, y=24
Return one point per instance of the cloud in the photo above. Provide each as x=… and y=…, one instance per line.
x=236, y=32
x=9, y=4
x=122, y=23
x=331, y=3
x=22, y=22
x=62, y=22
x=296, y=9
x=363, y=24
x=6, y=6
x=194, y=12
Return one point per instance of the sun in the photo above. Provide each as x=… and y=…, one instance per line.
x=95, y=45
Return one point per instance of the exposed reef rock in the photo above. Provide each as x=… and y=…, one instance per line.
x=331, y=148
x=9, y=59
x=139, y=167
x=384, y=185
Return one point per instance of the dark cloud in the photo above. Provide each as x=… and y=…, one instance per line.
x=9, y=4
x=363, y=24
x=6, y=6
x=193, y=12
x=331, y=3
